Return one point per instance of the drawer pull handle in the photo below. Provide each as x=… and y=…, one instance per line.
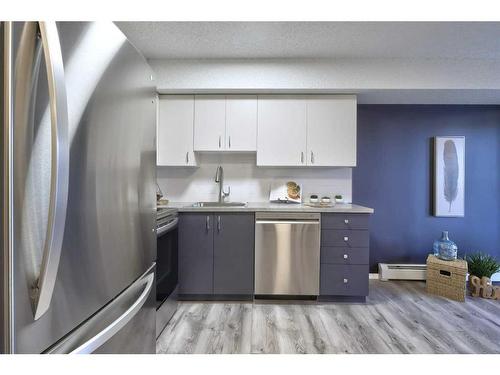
x=346, y=281
x=346, y=221
x=346, y=238
x=346, y=256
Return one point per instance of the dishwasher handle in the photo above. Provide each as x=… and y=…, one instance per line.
x=308, y=222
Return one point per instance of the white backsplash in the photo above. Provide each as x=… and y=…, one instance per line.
x=248, y=182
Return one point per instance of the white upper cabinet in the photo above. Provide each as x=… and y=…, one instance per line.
x=306, y=130
x=241, y=123
x=281, y=131
x=174, y=131
x=331, y=130
x=285, y=130
x=209, y=122
x=225, y=123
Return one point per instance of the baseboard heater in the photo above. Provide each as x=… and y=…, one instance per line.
x=402, y=271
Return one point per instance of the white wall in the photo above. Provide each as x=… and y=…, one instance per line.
x=248, y=182
x=380, y=81
x=405, y=81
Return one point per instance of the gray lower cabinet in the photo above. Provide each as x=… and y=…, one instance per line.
x=345, y=255
x=344, y=221
x=196, y=253
x=216, y=253
x=344, y=280
x=345, y=237
x=234, y=236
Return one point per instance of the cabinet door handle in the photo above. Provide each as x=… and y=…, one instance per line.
x=218, y=224
x=187, y=157
x=229, y=141
x=346, y=281
x=207, y=223
x=312, y=157
x=302, y=157
x=346, y=256
x=220, y=141
x=346, y=238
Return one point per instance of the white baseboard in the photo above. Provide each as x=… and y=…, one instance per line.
x=495, y=277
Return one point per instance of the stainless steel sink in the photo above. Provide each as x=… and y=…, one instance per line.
x=219, y=204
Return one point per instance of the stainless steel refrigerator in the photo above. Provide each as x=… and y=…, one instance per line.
x=79, y=190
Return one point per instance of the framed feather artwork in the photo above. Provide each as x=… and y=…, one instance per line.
x=449, y=176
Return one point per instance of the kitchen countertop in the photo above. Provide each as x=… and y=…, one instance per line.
x=267, y=206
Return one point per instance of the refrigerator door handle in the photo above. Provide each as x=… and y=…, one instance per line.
x=103, y=336
x=73, y=343
x=59, y=180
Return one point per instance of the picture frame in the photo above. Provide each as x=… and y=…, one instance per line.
x=449, y=176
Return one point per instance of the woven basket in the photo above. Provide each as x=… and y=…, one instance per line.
x=446, y=278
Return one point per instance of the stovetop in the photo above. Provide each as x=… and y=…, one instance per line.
x=164, y=211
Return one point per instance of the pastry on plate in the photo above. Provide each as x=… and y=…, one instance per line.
x=293, y=190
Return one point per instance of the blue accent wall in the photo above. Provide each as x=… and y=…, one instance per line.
x=394, y=174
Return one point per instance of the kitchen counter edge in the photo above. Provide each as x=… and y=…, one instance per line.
x=276, y=207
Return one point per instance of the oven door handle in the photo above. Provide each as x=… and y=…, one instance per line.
x=167, y=228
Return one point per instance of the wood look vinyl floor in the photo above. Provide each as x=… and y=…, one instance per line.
x=398, y=317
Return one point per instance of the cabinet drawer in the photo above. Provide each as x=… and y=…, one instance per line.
x=345, y=255
x=344, y=280
x=344, y=221
x=345, y=238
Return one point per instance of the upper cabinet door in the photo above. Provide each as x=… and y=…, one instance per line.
x=174, y=131
x=281, y=130
x=331, y=131
x=209, y=122
x=241, y=123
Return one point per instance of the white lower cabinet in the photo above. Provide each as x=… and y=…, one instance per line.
x=281, y=131
x=174, y=131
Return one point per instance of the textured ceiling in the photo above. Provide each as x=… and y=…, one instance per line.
x=199, y=40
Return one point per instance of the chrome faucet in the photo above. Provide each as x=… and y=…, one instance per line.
x=219, y=178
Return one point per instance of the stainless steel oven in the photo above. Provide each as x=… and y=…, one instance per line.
x=166, y=266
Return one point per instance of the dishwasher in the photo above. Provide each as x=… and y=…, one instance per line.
x=287, y=254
